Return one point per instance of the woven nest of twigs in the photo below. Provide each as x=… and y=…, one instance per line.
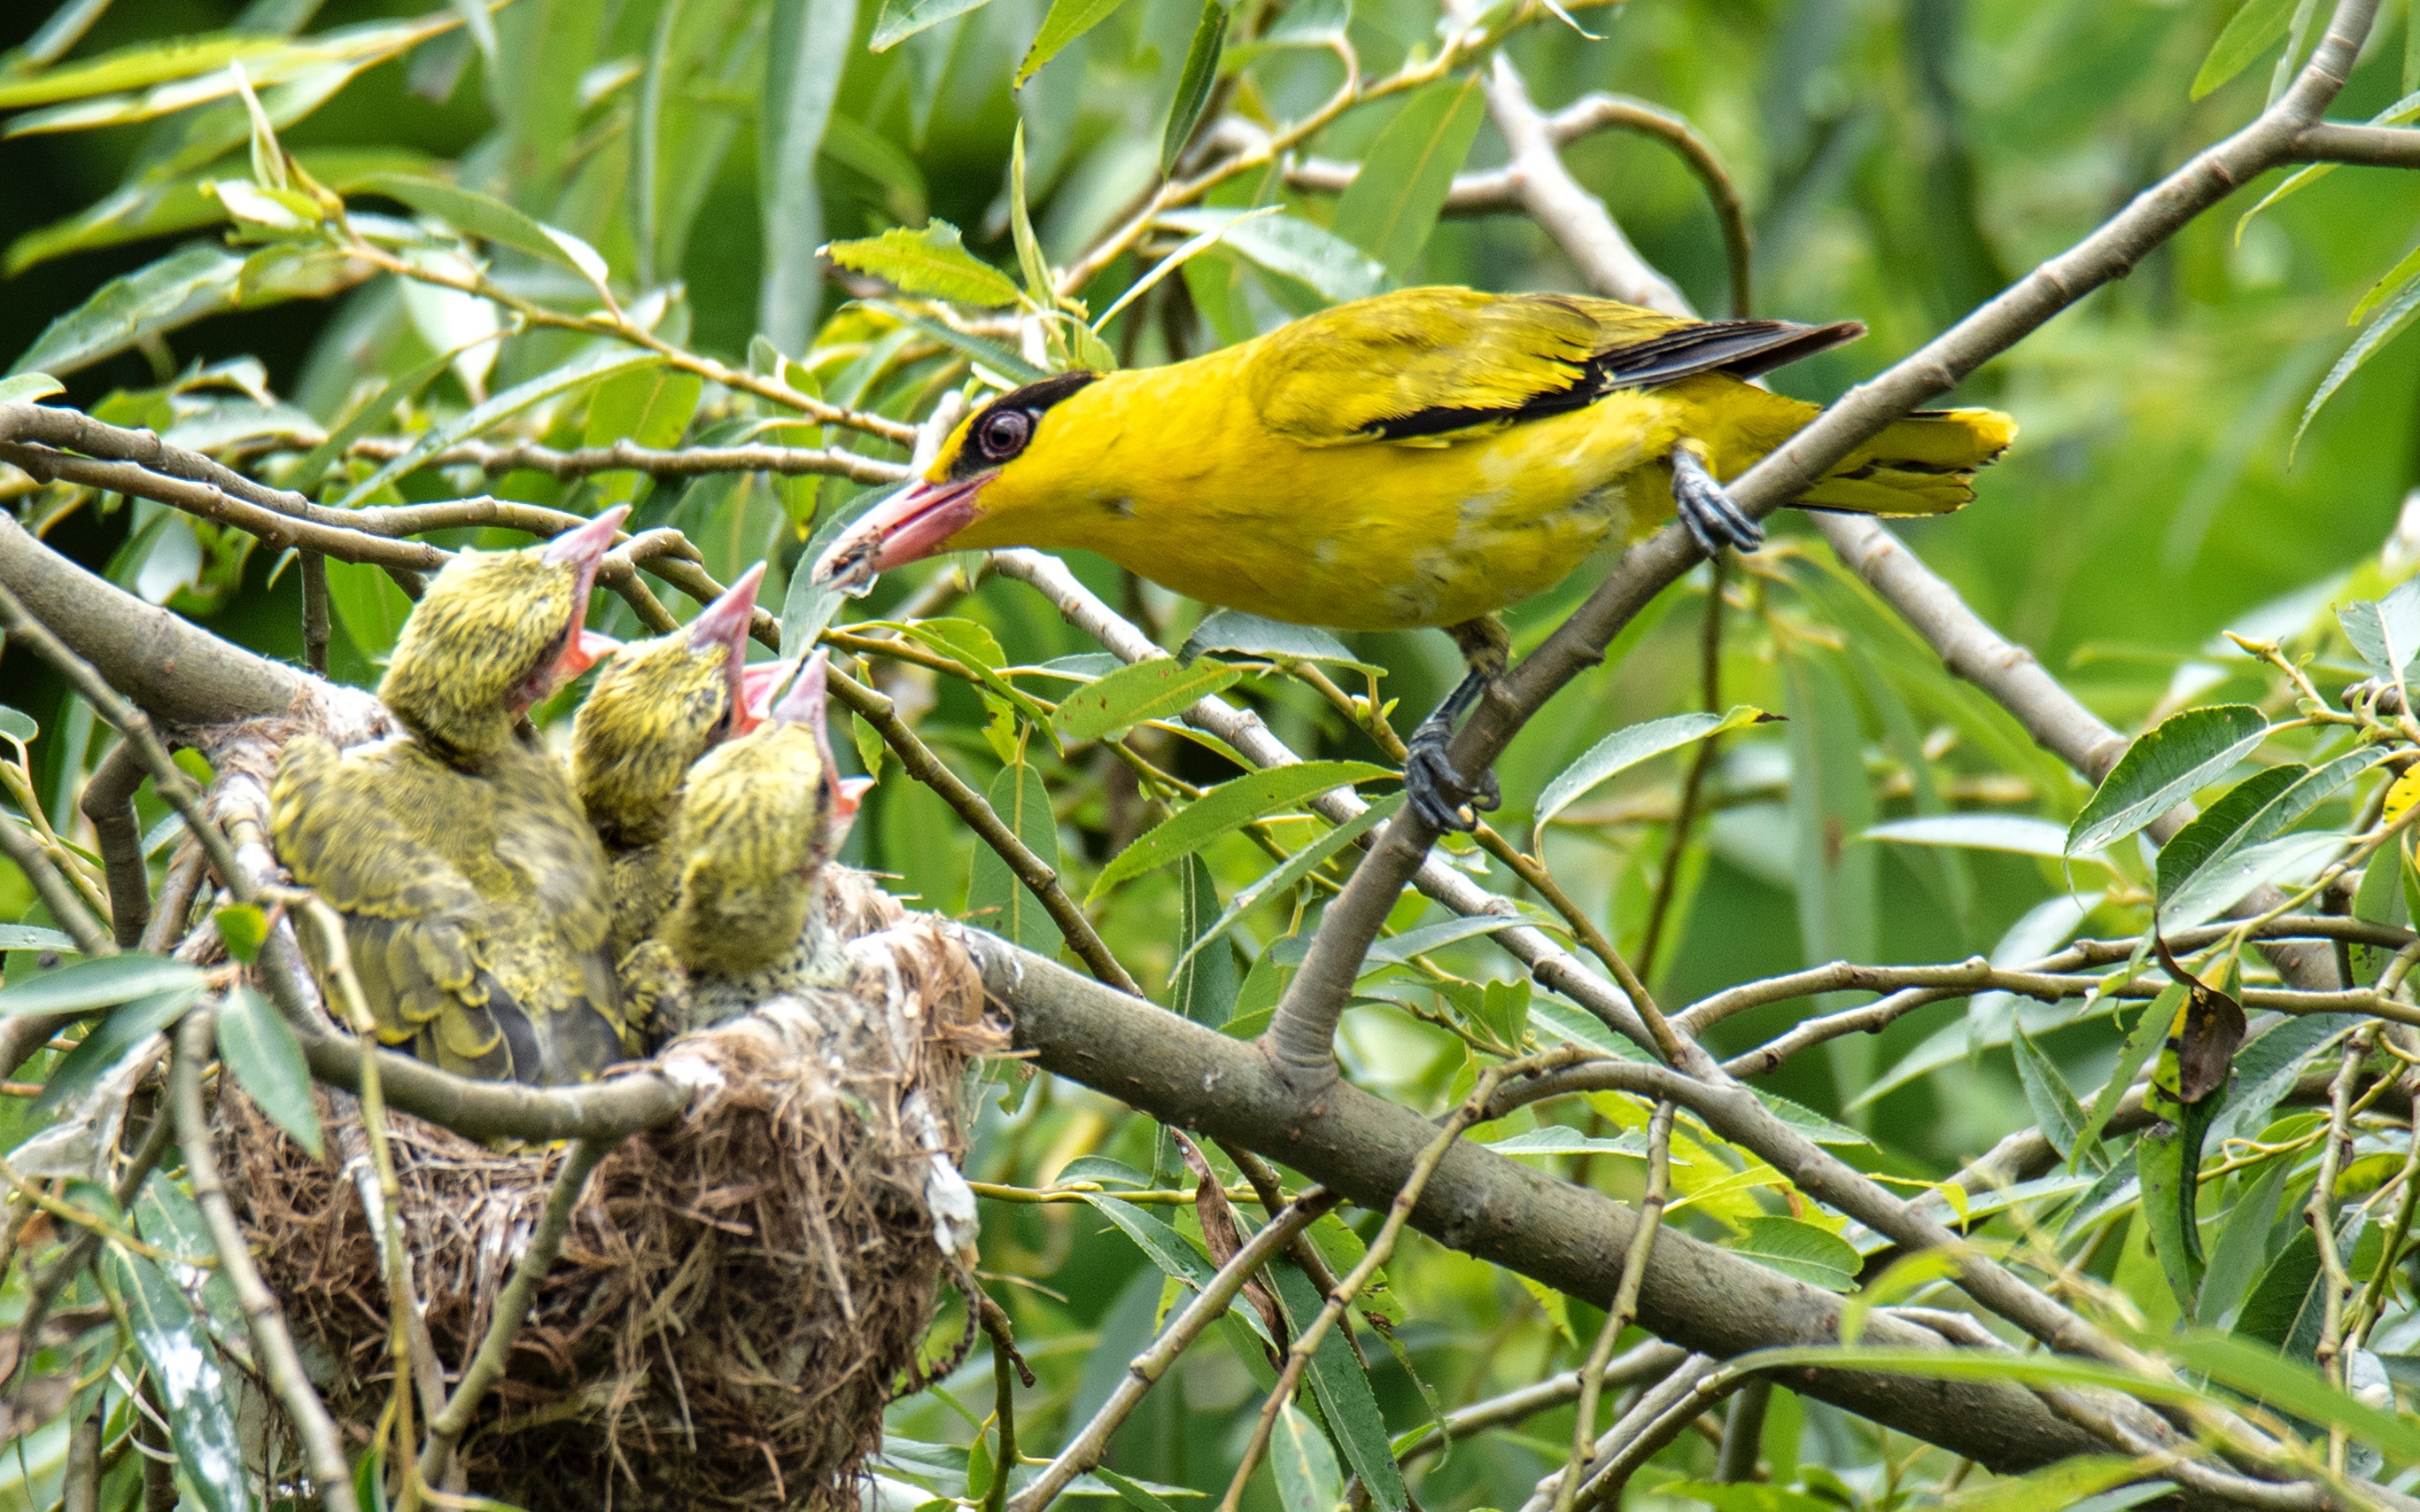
x=741, y=1292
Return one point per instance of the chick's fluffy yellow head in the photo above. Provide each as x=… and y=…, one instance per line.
x=494, y=633
x=759, y=817
x=659, y=707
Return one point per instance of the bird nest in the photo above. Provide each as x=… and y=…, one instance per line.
x=741, y=1292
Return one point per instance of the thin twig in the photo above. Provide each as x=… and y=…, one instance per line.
x=496, y=458
x=1088, y=1444
x=272, y=1346
x=512, y=1310
x=1626, y=1303
x=108, y=801
x=2336, y=1286
x=1006, y=1366
x=1693, y=787
x=68, y=910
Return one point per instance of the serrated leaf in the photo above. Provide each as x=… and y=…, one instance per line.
x=104, y=981
x=1203, y=988
x=2389, y=321
x=1392, y=205
x=2257, y=26
x=1067, y=21
x=2385, y=632
x=260, y=1050
x=487, y=218
x=2162, y=768
x=2055, y=1108
x=1812, y=1254
x=1153, y=689
x=996, y=900
x=106, y=1044
x=1229, y=807
x=2141, y=1041
x=1193, y=83
x=2207, y=865
x=184, y=1365
x=597, y=367
x=931, y=261
x=1628, y=747
x=1292, y=248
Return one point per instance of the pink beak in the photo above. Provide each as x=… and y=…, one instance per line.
x=909, y=526
x=758, y=686
x=584, y=547
x=724, y=623
x=805, y=705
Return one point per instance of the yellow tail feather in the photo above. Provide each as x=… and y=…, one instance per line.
x=1922, y=465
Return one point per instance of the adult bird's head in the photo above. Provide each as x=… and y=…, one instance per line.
x=1004, y=461
x=759, y=819
x=495, y=633
x=662, y=705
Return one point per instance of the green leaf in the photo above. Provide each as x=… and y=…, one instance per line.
x=104, y=981
x=1560, y=1139
x=2162, y=768
x=35, y=937
x=1067, y=21
x=1203, y=988
x=1227, y=808
x=368, y=603
x=1413, y=942
x=2255, y=28
x=1030, y=261
x=1342, y=1388
x=932, y=261
x=2242, y=1246
x=2385, y=632
x=1628, y=747
x=1292, y=871
x=180, y=289
x=2167, y=1160
x=184, y=1365
x=1746, y=1497
x=2061, y=1487
x=2145, y=1038
x=978, y=649
x=267, y=1062
x=242, y=929
x=1193, y=84
x=2053, y=1102
x=2378, y=900
x=652, y=408
x=1304, y=1468
x=2388, y=282
x=2280, y=1312
x=810, y=49
x=1131, y=1493
x=2293, y=1387
x=1231, y=629
x=107, y=1043
x=28, y=386
x=488, y=218
x=899, y=20
x=1815, y=1255
x=996, y=900
x=599, y=366
x=136, y=67
x=2390, y=320
x=17, y=725
x=2017, y=834
x=1153, y=689
x=373, y=414
x=2232, y=848
x=1292, y=248
x=1393, y=204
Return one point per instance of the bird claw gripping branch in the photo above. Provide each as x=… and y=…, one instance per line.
x=1436, y=792
x=1705, y=506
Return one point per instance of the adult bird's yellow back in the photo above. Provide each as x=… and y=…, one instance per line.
x=1420, y=459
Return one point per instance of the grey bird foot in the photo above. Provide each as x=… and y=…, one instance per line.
x=1707, y=508
x=1437, y=793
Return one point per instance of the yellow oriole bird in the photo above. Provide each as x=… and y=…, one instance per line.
x=473, y=889
x=1419, y=458
x=655, y=710
x=760, y=817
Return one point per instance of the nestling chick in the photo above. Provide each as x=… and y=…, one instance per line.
x=473, y=891
x=760, y=817
x=654, y=712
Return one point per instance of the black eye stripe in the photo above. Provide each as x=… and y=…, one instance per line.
x=1005, y=426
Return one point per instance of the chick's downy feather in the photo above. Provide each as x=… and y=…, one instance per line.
x=472, y=886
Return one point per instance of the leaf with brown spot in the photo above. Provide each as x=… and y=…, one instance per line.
x=2213, y=1031
x=1218, y=1232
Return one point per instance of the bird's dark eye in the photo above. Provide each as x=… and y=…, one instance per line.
x=1003, y=434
